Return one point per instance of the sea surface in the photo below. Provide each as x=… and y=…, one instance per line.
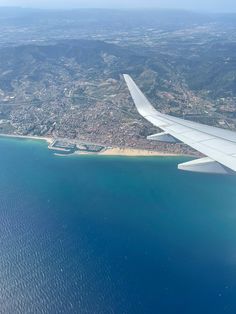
x=97, y=234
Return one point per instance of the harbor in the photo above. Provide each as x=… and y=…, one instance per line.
x=69, y=147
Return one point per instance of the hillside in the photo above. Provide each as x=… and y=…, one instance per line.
x=75, y=89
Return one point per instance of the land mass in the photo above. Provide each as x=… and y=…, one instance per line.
x=68, y=84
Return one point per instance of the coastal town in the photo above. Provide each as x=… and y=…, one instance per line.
x=73, y=89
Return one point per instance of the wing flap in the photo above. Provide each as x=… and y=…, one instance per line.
x=204, y=165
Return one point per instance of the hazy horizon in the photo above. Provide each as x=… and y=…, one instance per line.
x=214, y=6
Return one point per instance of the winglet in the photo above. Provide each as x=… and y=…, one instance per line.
x=141, y=102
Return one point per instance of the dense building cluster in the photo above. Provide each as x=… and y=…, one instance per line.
x=74, y=89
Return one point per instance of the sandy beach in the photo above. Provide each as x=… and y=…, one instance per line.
x=132, y=152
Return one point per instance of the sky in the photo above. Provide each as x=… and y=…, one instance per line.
x=195, y=5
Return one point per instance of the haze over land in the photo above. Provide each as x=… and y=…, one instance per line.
x=61, y=72
x=198, y=5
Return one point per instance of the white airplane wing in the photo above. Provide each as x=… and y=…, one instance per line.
x=217, y=144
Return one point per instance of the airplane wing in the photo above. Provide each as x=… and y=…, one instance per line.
x=217, y=144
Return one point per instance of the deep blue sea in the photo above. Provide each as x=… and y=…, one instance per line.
x=97, y=234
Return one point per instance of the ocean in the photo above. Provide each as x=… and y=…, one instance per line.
x=100, y=234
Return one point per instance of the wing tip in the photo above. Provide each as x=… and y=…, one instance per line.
x=126, y=76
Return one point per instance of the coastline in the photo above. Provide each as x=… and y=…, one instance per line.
x=110, y=151
x=134, y=152
x=49, y=140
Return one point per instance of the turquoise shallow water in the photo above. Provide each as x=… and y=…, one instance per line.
x=113, y=235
